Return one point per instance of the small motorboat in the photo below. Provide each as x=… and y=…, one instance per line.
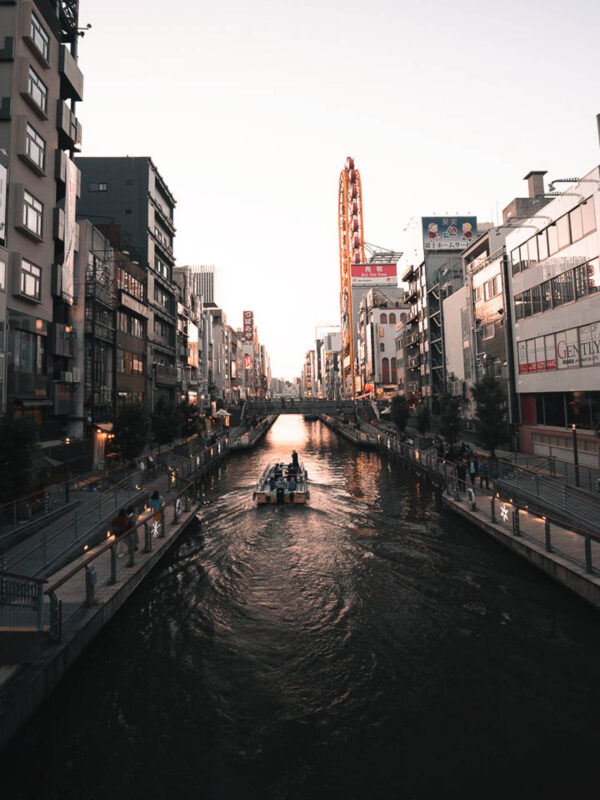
x=282, y=483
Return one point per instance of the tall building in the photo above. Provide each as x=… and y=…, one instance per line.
x=40, y=84
x=132, y=192
x=203, y=282
x=437, y=273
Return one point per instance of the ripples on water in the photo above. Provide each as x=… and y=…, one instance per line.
x=363, y=646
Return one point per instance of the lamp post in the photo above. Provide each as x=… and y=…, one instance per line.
x=575, y=454
x=68, y=443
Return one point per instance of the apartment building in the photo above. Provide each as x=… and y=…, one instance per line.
x=40, y=83
x=131, y=192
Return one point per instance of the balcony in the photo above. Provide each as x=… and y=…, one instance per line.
x=413, y=387
x=69, y=128
x=413, y=362
x=165, y=375
x=411, y=339
x=101, y=294
x=100, y=330
x=71, y=77
x=23, y=384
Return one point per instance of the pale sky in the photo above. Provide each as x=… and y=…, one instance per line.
x=250, y=107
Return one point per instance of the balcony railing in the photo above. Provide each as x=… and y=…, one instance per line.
x=100, y=330
x=165, y=375
x=23, y=384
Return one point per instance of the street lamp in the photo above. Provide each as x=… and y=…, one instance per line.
x=68, y=443
x=575, y=455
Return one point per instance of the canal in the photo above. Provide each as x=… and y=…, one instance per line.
x=365, y=646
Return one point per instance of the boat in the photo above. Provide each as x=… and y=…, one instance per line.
x=274, y=485
x=310, y=417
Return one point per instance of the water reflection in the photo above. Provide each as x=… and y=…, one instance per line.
x=360, y=646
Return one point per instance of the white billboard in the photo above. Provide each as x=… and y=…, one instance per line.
x=67, y=290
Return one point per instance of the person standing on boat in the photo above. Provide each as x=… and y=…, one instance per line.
x=295, y=463
x=292, y=485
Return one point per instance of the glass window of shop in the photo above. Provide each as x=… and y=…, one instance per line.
x=552, y=240
x=593, y=271
x=576, y=223
x=536, y=299
x=554, y=409
x=546, y=296
x=578, y=409
x=542, y=245
x=588, y=216
x=563, y=231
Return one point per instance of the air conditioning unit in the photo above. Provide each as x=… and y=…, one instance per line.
x=66, y=377
x=76, y=375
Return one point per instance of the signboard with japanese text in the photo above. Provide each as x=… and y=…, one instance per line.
x=192, y=343
x=3, y=181
x=374, y=274
x=448, y=233
x=248, y=330
x=247, y=362
x=67, y=286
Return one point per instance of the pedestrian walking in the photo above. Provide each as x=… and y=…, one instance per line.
x=461, y=474
x=473, y=466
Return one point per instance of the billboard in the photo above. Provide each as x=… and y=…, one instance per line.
x=248, y=326
x=247, y=362
x=192, y=343
x=448, y=233
x=374, y=274
x=67, y=291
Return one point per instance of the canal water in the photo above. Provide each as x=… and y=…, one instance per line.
x=367, y=645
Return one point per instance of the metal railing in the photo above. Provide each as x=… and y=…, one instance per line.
x=21, y=601
x=575, y=543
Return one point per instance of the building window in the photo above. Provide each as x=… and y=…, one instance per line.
x=97, y=187
x=385, y=370
x=394, y=371
x=383, y=319
x=488, y=331
x=392, y=319
x=131, y=285
x=588, y=216
x=33, y=212
x=563, y=231
x=130, y=325
x=35, y=147
x=38, y=91
x=129, y=363
x=381, y=333
x=2, y=276
x=40, y=37
x=382, y=348
x=31, y=280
